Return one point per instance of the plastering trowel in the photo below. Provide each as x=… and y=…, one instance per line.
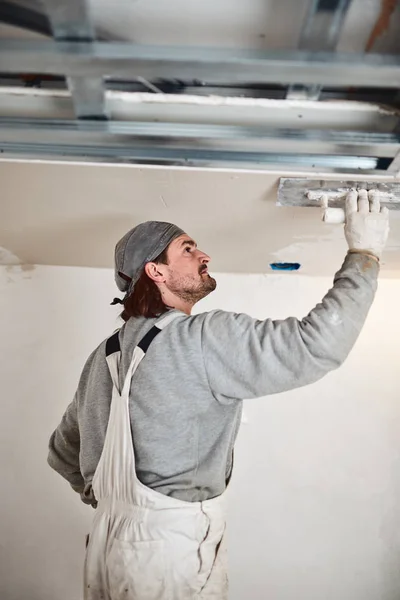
x=303, y=192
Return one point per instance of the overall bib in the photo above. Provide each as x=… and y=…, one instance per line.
x=145, y=545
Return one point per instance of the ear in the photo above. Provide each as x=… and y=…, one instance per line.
x=155, y=272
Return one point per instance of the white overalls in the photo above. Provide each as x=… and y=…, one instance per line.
x=145, y=545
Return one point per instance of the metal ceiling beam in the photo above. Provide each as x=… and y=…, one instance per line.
x=185, y=144
x=70, y=22
x=320, y=32
x=323, y=24
x=208, y=159
x=96, y=59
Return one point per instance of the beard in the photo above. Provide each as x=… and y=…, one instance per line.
x=189, y=288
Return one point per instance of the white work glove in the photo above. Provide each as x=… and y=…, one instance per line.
x=367, y=224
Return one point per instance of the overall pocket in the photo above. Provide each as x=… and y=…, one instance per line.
x=138, y=571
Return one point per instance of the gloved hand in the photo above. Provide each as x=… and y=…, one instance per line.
x=367, y=224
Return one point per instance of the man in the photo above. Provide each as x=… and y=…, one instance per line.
x=149, y=436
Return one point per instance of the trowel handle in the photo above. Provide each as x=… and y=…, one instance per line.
x=334, y=216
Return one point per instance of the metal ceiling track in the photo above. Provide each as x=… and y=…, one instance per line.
x=87, y=64
x=71, y=24
x=321, y=31
x=198, y=145
x=216, y=65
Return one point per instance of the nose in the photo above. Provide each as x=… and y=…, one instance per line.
x=204, y=258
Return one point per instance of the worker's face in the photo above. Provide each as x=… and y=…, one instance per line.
x=186, y=274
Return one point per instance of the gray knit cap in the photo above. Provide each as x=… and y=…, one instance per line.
x=141, y=245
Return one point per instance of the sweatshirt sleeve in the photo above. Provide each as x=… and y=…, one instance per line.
x=64, y=448
x=74, y=450
x=247, y=358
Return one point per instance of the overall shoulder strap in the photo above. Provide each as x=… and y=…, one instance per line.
x=113, y=349
x=113, y=357
x=140, y=351
x=155, y=330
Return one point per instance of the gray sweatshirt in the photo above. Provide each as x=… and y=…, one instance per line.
x=186, y=396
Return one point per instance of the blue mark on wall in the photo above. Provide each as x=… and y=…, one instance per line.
x=285, y=266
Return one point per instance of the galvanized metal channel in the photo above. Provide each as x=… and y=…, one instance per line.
x=196, y=144
x=71, y=22
x=215, y=65
x=321, y=31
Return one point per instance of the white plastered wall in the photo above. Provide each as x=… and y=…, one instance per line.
x=315, y=500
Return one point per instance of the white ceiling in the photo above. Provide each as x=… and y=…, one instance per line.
x=233, y=23
x=230, y=23
x=73, y=214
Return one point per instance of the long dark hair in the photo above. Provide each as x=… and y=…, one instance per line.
x=145, y=299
